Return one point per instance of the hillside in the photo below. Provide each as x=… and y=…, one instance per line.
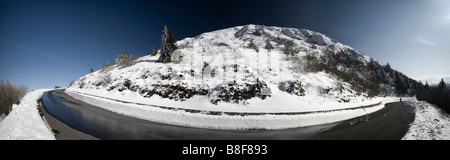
x=251, y=68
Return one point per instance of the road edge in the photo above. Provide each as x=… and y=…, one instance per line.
x=224, y=120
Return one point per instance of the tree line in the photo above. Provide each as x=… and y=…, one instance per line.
x=438, y=95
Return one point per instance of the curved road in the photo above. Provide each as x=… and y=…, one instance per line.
x=70, y=118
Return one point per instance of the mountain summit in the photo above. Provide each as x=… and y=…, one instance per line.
x=252, y=65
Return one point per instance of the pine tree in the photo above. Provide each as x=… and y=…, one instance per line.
x=399, y=84
x=122, y=56
x=168, y=45
x=420, y=91
x=425, y=94
x=154, y=51
x=442, y=86
x=123, y=60
x=268, y=46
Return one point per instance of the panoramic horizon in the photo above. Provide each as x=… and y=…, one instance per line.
x=51, y=43
x=224, y=70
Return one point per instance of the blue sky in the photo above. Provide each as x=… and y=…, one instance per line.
x=46, y=43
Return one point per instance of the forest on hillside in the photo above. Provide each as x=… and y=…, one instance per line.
x=438, y=95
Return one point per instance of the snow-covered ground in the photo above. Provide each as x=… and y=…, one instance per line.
x=430, y=123
x=24, y=121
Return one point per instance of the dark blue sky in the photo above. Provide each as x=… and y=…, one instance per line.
x=46, y=43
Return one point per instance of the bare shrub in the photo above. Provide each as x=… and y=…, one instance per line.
x=71, y=83
x=293, y=87
x=105, y=79
x=124, y=60
x=9, y=95
x=81, y=84
x=107, y=66
x=289, y=49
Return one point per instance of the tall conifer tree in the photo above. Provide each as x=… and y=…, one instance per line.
x=168, y=45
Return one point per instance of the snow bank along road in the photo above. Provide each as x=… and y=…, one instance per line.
x=24, y=121
x=107, y=125
x=222, y=119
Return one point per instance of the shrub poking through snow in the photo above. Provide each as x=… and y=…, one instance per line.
x=293, y=87
x=174, y=91
x=240, y=93
x=154, y=51
x=268, y=46
x=123, y=60
x=9, y=95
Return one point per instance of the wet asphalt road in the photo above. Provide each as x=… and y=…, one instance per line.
x=391, y=122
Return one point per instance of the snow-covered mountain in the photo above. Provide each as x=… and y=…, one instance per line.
x=251, y=65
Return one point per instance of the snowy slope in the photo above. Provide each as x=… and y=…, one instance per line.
x=2, y=117
x=219, y=71
x=24, y=121
x=234, y=70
